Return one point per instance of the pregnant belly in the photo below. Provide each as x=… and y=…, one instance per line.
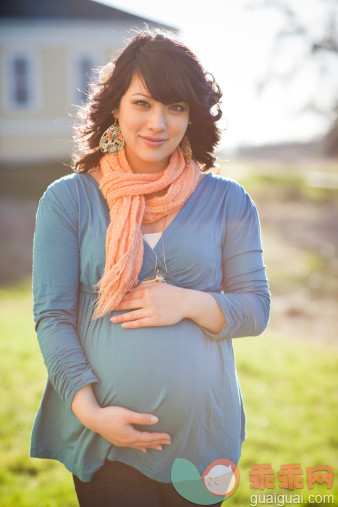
x=168, y=371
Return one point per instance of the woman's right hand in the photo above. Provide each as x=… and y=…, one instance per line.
x=115, y=424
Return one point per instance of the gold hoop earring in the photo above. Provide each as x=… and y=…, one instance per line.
x=186, y=149
x=112, y=140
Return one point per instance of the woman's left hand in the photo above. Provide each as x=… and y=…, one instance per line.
x=153, y=304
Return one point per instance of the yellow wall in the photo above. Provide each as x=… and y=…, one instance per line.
x=35, y=147
x=55, y=82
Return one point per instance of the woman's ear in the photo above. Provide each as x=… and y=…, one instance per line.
x=116, y=113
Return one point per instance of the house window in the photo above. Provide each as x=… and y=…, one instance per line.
x=84, y=71
x=21, y=89
x=82, y=63
x=20, y=81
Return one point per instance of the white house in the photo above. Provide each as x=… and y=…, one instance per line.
x=48, y=49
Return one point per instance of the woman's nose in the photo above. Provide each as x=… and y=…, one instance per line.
x=157, y=120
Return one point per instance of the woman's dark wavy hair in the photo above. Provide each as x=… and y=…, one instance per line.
x=171, y=73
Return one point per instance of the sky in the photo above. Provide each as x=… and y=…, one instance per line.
x=237, y=46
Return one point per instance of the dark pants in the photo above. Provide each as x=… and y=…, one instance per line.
x=116, y=484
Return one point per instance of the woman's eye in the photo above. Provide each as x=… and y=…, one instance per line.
x=141, y=103
x=177, y=107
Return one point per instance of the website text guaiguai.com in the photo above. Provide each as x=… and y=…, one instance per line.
x=281, y=500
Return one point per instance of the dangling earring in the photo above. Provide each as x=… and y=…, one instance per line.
x=186, y=149
x=112, y=140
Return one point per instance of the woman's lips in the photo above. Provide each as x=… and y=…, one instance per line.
x=153, y=142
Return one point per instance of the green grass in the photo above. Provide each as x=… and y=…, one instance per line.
x=282, y=184
x=289, y=390
x=290, y=393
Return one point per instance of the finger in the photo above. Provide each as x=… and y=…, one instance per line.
x=136, y=314
x=153, y=445
x=147, y=437
x=131, y=298
x=130, y=304
x=138, y=442
x=146, y=322
x=137, y=288
x=146, y=445
x=149, y=446
x=139, y=418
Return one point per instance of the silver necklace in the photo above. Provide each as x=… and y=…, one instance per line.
x=158, y=277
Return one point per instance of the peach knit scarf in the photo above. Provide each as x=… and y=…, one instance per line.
x=126, y=193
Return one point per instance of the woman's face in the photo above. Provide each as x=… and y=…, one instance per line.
x=151, y=130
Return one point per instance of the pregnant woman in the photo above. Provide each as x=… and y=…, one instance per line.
x=145, y=267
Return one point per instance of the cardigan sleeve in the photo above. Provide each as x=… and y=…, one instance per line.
x=55, y=292
x=245, y=299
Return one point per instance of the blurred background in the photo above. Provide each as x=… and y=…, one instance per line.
x=276, y=62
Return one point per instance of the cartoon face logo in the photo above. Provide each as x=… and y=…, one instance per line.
x=221, y=477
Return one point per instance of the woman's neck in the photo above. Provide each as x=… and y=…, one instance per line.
x=140, y=166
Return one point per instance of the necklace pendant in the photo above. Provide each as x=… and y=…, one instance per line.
x=156, y=278
x=160, y=278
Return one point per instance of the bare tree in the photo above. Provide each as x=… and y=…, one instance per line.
x=317, y=46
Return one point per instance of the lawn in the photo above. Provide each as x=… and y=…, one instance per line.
x=288, y=375
x=289, y=389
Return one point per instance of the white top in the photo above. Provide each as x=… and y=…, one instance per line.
x=152, y=238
